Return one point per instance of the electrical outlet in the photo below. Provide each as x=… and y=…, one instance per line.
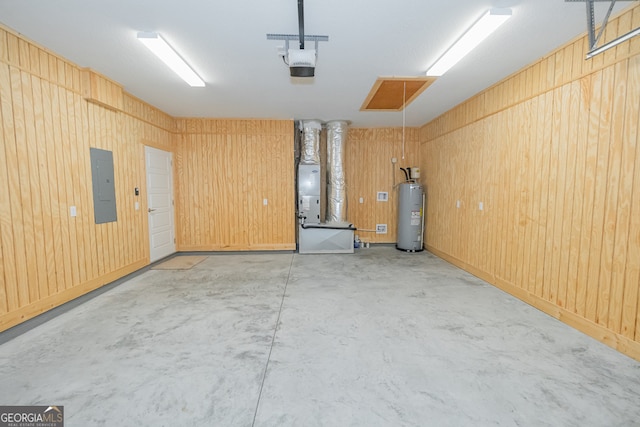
x=265, y=202
x=361, y=199
x=458, y=204
x=383, y=196
x=481, y=206
x=394, y=160
x=73, y=211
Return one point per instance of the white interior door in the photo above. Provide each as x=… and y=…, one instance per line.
x=160, y=203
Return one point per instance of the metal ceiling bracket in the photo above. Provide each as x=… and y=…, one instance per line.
x=594, y=38
x=289, y=37
x=307, y=37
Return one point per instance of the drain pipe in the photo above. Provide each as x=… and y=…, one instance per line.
x=308, y=178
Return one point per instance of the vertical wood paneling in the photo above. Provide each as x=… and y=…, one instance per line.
x=543, y=228
x=610, y=205
x=368, y=169
x=23, y=54
x=560, y=139
x=7, y=291
x=31, y=143
x=610, y=32
x=28, y=289
x=579, y=193
x=48, y=261
x=526, y=191
x=225, y=169
x=86, y=192
x=521, y=190
x=56, y=248
x=3, y=294
x=628, y=141
x=489, y=180
x=47, y=128
x=589, y=188
x=630, y=307
x=79, y=164
x=552, y=200
x=571, y=123
x=4, y=49
x=75, y=223
x=537, y=144
x=602, y=166
x=14, y=260
x=13, y=56
x=561, y=216
x=69, y=228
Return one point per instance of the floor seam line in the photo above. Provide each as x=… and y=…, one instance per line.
x=273, y=339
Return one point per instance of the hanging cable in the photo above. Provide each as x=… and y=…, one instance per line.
x=404, y=101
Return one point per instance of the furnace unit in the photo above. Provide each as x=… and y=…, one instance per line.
x=336, y=234
x=309, y=193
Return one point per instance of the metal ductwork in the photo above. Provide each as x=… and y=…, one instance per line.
x=310, y=152
x=336, y=185
x=334, y=234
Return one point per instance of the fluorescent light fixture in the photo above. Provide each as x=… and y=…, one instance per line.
x=486, y=25
x=162, y=50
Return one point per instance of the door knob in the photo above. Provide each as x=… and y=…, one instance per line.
x=151, y=210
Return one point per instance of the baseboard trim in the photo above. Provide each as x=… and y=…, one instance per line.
x=30, y=311
x=616, y=341
x=25, y=318
x=237, y=248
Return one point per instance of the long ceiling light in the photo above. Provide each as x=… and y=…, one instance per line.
x=486, y=25
x=162, y=50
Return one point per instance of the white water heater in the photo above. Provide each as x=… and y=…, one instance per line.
x=410, y=217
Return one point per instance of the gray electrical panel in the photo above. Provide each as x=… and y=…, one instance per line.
x=104, y=189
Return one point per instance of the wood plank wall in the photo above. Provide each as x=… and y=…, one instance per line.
x=48, y=257
x=553, y=152
x=368, y=169
x=225, y=169
x=53, y=111
x=97, y=88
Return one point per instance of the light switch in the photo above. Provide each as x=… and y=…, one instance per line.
x=458, y=204
x=265, y=202
x=361, y=199
x=481, y=206
x=137, y=206
x=72, y=211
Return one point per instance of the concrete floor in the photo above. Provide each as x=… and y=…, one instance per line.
x=378, y=338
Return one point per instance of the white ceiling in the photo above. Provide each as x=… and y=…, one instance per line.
x=225, y=42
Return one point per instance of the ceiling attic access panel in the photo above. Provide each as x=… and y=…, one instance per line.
x=395, y=93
